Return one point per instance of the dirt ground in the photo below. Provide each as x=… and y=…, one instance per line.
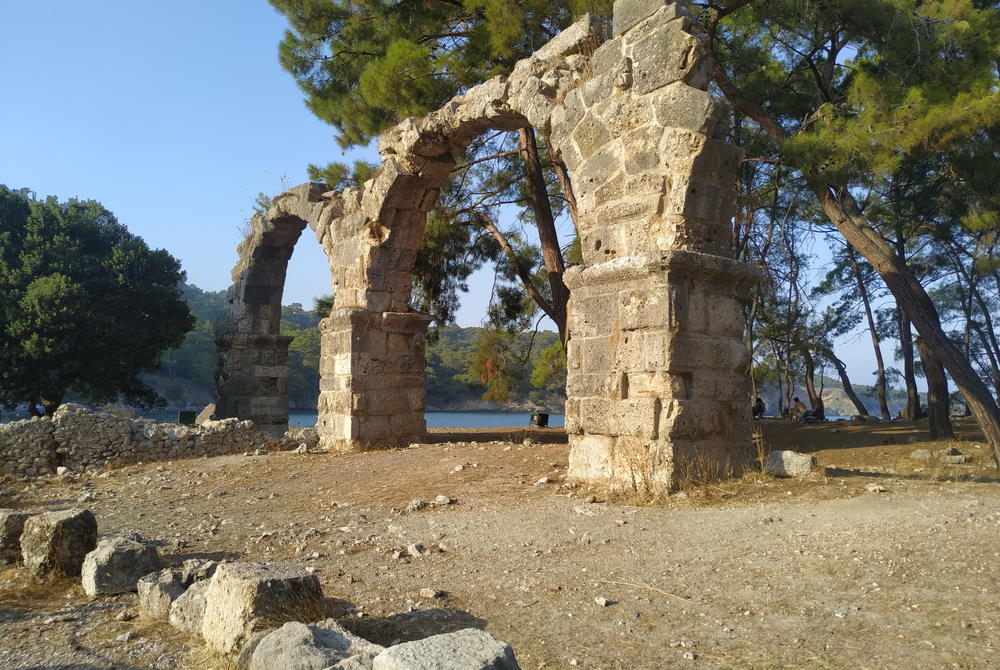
x=820, y=572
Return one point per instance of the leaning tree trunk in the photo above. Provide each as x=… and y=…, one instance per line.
x=880, y=384
x=938, y=406
x=912, y=410
x=910, y=295
x=846, y=381
x=814, y=399
x=548, y=238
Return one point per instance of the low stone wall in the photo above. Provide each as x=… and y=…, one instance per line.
x=82, y=439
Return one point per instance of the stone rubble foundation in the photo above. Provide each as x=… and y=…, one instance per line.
x=82, y=439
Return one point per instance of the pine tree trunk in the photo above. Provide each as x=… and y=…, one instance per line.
x=845, y=380
x=912, y=410
x=547, y=236
x=880, y=384
x=938, y=407
x=814, y=400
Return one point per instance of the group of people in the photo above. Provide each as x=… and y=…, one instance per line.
x=797, y=412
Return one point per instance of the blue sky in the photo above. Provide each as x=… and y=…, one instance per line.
x=175, y=116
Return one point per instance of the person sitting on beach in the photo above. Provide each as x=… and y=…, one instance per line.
x=798, y=409
x=758, y=409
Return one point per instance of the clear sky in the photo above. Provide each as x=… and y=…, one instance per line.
x=175, y=115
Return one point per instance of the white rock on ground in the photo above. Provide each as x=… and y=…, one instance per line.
x=159, y=590
x=11, y=527
x=469, y=649
x=187, y=612
x=786, y=463
x=246, y=597
x=298, y=646
x=117, y=564
x=58, y=541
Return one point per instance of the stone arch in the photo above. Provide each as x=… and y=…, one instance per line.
x=656, y=359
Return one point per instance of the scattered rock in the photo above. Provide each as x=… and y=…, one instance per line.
x=117, y=564
x=11, y=527
x=246, y=597
x=416, y=549
x=469, y=649
x=297, y=646
x=787, y=463
x=416, y=505
x=920, y=454
x=543, y=480
x=875, y=487
x=430, y=593
x=603, y=602
x=125, y=637
x=58, y=541
x=953, y=456
x=302, y=449
x=62, y=471
x=442, y=500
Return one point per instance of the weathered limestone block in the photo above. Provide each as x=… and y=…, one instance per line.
x=246, y=597
x=57, y=542
x=628, y=13
x=158, y=590
x=469, y=649
x=11, y=527
x=787, y=463
x=117, y=564
x=298, y=646
x=187, y=611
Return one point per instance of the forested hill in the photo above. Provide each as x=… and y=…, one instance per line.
x=532, y=368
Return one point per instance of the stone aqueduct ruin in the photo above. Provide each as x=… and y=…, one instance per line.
x=656, y=380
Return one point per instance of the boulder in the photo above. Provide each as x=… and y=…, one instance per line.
x=159, y=590
x=58, y=541
x=786, y=463
x=11, y=527
x=469, y=649
x=920, y=454
x=299, y=646
x=357, y=662
x=117, y=564
x=187, y=612
x=246, y=597
x=953, y=456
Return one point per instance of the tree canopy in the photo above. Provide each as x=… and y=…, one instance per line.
x=84, y=304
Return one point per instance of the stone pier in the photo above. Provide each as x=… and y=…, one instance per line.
x=372, y=388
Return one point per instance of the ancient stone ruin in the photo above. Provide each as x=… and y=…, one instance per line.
x=657, y=364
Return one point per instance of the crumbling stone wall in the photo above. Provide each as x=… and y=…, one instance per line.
x=656, y=362
x=83, y=439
